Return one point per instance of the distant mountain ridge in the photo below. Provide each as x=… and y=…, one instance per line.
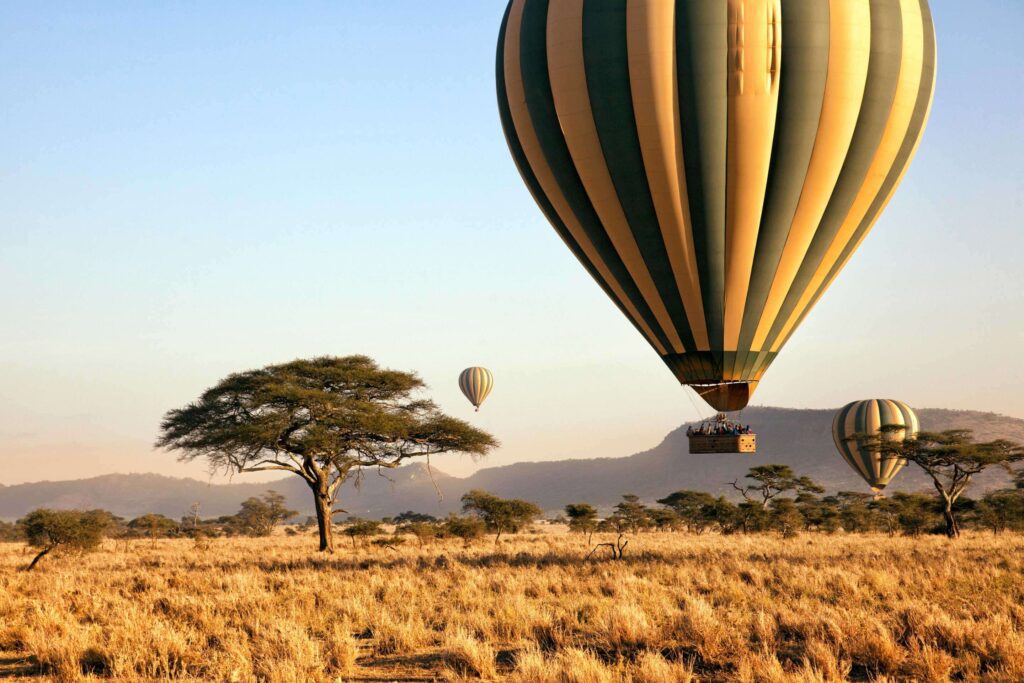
x=799, y=438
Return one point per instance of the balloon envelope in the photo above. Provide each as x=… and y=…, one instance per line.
x=868, y=417
x=476, y=383
x=713, y=164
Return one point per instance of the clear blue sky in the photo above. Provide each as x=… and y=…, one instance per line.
x=188, y=189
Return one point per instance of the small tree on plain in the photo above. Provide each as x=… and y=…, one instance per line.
x=631, y=514
x=63, y=530
x=500, y=515
x=770, y=481
x=154, y=526
x=1002, y=510
x=786, y=517
x=467, y=528
x=855, y=513
x=722, y=513
x=690, y=506
x=325, y=420
x=819, y=514
x=9, y=532
x=410, y=516
x=422, y=531
x=259, y=516
x=362, y=529
x=582, y=519
x=664, y=519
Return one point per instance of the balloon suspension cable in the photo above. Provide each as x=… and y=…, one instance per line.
x=696, y=407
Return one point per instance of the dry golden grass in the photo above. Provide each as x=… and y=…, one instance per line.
x=677, y=608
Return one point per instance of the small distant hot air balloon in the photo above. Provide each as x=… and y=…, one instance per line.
x=476, y=383
x=714, y=164
x=868, y=417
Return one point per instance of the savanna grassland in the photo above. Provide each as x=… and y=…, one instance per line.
x=676, y=608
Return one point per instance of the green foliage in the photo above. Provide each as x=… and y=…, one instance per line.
x=63, y=530
x=582, y=517
x=362, y=529
x=856, y=513
x=410, y=516
x=322, y=419
x=913, y=513
x=1002, y=510
x=631, y=515
x=691, y=508
x=723, y=514
x=500, y=515
x=9, y=532
x=153, y=526
x=664, y=519
x=819, y=514
x=466, y=528
x=771, y=481
x=785, y=517
x=422, y=531
x=259, y=516
x=752, y=516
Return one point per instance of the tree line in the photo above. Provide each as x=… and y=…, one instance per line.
x=789, y=505
x=772, y=499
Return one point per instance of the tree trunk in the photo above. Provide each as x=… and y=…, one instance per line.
x=323, y=519
x=952, y=527
x=41, y=555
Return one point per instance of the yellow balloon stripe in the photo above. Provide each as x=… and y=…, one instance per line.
x=896, y=129
x=755, y=49
x=535, y=155
x=572, y=103
x=652, y=74
x=849, y=53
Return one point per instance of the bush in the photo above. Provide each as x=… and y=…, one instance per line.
x=153, y=526
x=466, y=528
x=9, y=532
x=63, y=530
x=361, y=528
x=422, y=531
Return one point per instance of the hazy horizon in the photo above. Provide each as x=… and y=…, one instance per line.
x=176, y=206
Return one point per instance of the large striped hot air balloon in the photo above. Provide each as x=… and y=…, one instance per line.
x=713, y=164
x=867, y=418
x=476, y=383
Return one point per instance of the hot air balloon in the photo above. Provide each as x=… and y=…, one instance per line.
x=476, y=383
x=867, y=418
x=713, y=164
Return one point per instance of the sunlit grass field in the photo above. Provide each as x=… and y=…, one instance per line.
x=676, y=608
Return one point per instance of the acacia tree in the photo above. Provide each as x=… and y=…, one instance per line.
x=768, y=483
x=582, y=518
x=259, y=516
x=690, y=506
x=631, y=514
x=153, y=526
x=325, y=419
x=500, y=514
x=951, y=458
x=50, y=530
x=771, y=481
